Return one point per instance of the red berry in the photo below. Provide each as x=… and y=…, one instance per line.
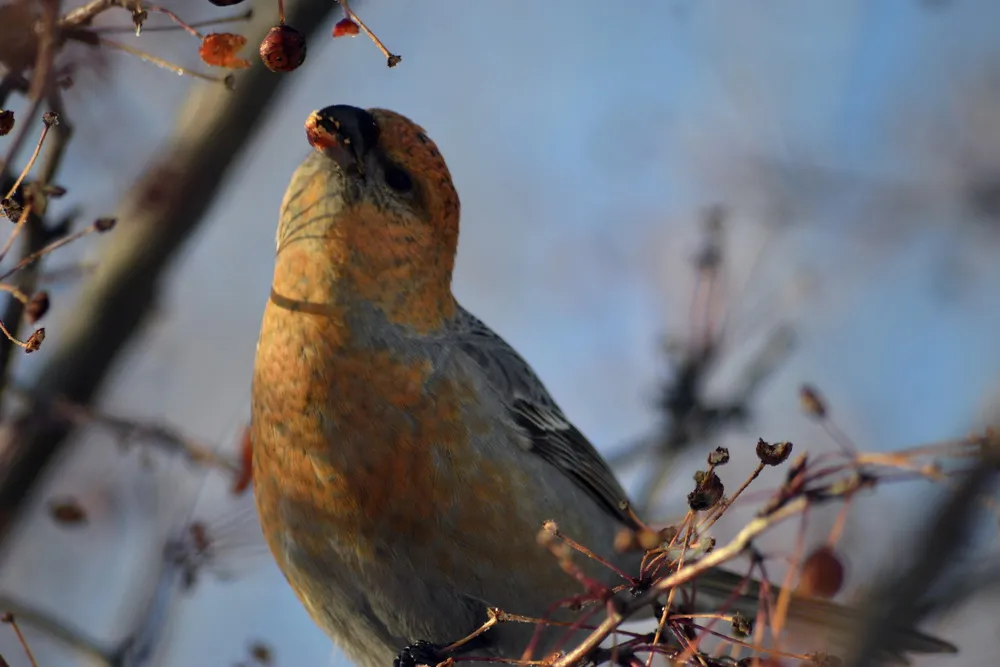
x=822, y=574
x=283, y=49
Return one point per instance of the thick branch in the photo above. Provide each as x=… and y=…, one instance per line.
x=156, y=217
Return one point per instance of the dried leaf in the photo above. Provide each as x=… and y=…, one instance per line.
x=219, y=50
x=346, y=28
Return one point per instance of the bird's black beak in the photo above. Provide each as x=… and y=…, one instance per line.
x=343, y=133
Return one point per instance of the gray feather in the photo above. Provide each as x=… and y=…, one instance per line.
x=545, y=429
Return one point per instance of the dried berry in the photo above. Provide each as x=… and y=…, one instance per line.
x=34, y=341
x=67, y=512
x=50, y=118
x=346, y=28
x=719, y=457
x=283, y=49
x=822, y=574
x=626, y=539
x=6, y=121
x=707, y=493
x=773, y=455
x=219, y=49
x=261, y=653
x=37, y=307
x=104, y=224
x=647, y=539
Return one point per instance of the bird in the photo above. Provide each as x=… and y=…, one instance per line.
x=405, y=456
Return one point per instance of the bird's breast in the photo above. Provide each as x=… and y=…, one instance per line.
x=366, y=450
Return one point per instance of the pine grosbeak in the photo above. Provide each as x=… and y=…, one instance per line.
x=404, y=455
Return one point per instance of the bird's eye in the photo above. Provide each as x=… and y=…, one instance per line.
x=398, y=180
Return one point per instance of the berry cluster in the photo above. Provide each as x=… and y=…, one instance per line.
x=283, y=48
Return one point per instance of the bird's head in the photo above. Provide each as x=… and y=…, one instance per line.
x=370, y=217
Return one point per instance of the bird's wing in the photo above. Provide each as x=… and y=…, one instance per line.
x=547, y=432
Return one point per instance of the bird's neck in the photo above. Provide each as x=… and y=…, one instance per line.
x=345, y=279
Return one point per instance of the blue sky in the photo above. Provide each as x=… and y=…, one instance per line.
x=585, y=140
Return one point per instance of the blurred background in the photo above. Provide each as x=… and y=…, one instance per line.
x=678, y=211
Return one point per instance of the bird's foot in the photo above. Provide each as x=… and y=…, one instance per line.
x=420, y=653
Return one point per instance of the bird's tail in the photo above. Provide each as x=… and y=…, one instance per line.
x=832, y=622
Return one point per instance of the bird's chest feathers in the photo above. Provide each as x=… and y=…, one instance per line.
x=373, y=442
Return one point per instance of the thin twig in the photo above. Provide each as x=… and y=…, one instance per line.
x=160, y=62
x=135, y=431
x=19, y=138
x=35, y=256
x=12, y=338
x=729, y=503
x=9, y=619
x=239, y=18
x=391, y=59
x=21, y=221
x=31, y=161
x=55, y=629
x=15, y=292
x=176, y=19
x=82, y=16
